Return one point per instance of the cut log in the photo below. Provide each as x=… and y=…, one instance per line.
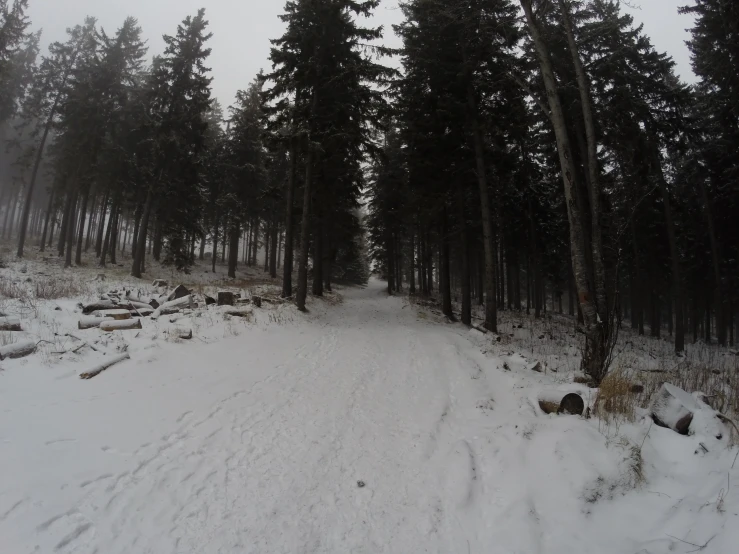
x=89, y=374
x=536, y=367
x=110, y=325
x=225, y=298
x=154, y=303
x=239, y=313
x=118, y=313
x=209, y=300
x=673, y=408
x=18, y=349
x=159, y=283
x=143, y=312
x=561, y=402
x=138, y=305
x=180, y=292
x=184, y=334
x=257, y=301
x=164, y=309
x=95, y=306
x=10, y=324
x=91, y=322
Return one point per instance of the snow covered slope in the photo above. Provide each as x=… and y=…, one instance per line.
x=361, y=427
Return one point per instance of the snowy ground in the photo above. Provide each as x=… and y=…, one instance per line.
x=368, y=425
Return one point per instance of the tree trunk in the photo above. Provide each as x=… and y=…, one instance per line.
x=445, y=269
x=715, y=258
x=233, y=248
x=70, y=230
x=465, y=258
x=302, y=291
x=595, y=352
x=101, y=225
x=34, y=173
x=318, y=255
x=49, y=211
x=81, y=230
x=491, y=308
x=594, y=188
x=138, y=260
x=674, y=256
x=215, y=246
x=412, y=275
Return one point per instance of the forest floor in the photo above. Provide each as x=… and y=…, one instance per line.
x=369, y=424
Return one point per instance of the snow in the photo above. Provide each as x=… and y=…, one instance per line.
x=255, y=435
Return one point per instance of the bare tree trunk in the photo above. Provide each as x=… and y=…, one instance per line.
x=101, y=225
x=81, y=231
x=491, y=308
x=233, y=249
x=464, y=254
x=594, y=189
x=318, y=255
x=138, y=260
x=674, y=256
x=595, y=352
x=49, y=211
x=412, y=256
x=445, y=270
x=34, y=173
x=715, y=258
x=71, y=224
x=215, y=246
x=274, y=247
x=302, y=291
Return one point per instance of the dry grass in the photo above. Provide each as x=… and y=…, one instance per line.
x=55, y=288
x=615, y=397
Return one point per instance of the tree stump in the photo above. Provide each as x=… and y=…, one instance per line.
x=673, y=408
x=180, y=292
x=257, y=301
x=225, y=298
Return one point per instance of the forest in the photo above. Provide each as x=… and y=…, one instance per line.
x=537, y=156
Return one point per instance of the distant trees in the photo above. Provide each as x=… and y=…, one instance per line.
x=526, y=153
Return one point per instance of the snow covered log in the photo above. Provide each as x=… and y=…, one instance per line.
x=142, y=312
x=246, y=314
x=118, y=313
x=184, y=334
x=90, y=322
x=10, y=324
x=95, y=306
x=109, y=325
x=561, y=402
x=673, y=408
x=18, y=349
x=103, y=366
x=184, y=302
x=131, y=304
x=180, y=292
x=159, y=283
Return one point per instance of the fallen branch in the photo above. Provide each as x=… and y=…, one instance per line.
x=105, y=365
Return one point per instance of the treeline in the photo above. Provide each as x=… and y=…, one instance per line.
x=545, y=149
x=530, y=150
x=104, y=151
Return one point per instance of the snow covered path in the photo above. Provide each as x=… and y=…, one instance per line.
x=365, y=429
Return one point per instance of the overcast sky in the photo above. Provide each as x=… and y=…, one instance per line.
x=242, y=29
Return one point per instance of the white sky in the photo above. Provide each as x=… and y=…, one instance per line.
x=242, y=29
